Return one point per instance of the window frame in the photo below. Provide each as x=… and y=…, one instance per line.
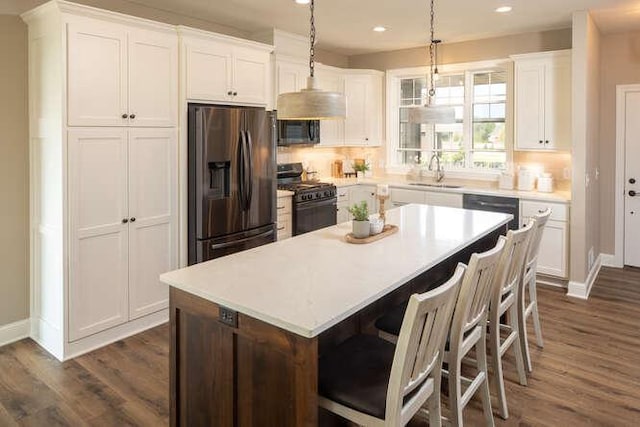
x=393, y=93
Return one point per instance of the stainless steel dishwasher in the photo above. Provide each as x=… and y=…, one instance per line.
x=480, y=202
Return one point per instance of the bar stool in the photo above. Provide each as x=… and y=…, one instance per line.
x=374, y=383
x=529, y=282
x=469, y=330
x=506, y=290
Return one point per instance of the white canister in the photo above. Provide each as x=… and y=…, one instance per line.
x=526, y=180
x=545, y=183
x=506, y=181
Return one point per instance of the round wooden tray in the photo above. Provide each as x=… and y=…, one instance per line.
x=388, y=230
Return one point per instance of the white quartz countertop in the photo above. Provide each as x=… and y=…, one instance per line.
x=468, y=188
x=311, y=282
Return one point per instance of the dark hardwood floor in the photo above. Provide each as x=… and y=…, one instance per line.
x=588, y=374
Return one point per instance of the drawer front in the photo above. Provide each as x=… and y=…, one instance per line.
x=559, y=212
x=402, y=196
x=344, y=194
x=283, y=206
x=283, y=228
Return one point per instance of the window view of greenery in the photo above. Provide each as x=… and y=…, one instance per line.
x=476, y=140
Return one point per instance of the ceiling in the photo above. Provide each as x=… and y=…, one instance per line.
x=345, y=26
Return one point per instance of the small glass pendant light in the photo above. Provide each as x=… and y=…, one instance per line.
x=311, y=103
x=429, y=113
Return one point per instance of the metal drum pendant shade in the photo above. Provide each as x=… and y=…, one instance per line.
x=311, y=103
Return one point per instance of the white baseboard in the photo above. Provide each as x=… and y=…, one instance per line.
x=609, y=260
x=582, y=290
x=14, y=332
x=48, y=337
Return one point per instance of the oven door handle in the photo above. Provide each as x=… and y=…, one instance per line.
x=316, y=203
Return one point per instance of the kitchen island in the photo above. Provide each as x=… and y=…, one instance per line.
x=247, y=329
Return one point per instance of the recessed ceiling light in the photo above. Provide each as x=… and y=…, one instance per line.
x=504, y=9
x=379, y=29
x=303, y=1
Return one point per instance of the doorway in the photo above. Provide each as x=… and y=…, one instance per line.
x=628, y=176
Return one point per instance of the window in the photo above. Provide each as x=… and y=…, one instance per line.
x=477, y=141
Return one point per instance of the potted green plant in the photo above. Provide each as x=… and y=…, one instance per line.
x=360, y=223
x=361, y=169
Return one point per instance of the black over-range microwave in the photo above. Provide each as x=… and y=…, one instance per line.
x=298, y=132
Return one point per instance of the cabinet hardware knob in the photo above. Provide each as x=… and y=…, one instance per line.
x=133, y=219
x=540, y=142
x=632, y=193
x=125, y=220
x=632, y=181
x=132, y=116
x=280, y=228
x=366, y=139
x=235, y=93
x=547, y=141
x=279, y=207
x=229, y=93
x=125, y=116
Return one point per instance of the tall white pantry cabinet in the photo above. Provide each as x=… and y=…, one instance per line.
x=103, y=158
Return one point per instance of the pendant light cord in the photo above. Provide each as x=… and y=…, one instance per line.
x=432, y=48
x=312, y=40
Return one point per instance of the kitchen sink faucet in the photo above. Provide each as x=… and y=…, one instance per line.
x=438, y=173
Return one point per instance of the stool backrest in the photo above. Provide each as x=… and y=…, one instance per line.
x=511, y=264
x=475, y=292
x=534, y=245
x=420, y=346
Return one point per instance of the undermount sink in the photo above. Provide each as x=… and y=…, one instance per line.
x=427, y=184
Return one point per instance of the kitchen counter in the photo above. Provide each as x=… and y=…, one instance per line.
x=283, y=284
x=399, y=181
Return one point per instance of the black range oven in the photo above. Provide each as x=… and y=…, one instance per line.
x=314, y=203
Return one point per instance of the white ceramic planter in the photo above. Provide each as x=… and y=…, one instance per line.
x=361, y=229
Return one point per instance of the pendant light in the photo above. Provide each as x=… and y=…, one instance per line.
x=311, y=103
x=429, y=113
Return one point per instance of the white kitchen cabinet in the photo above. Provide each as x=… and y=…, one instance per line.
x=120, y=75
x=122, y=199
x=344, y=201
x=224, y=69
x=402, y=196
x=553, y=258
x=331, y=131
x=543, y=101
x=284, y=221
x=291, y=76
x=367, y=193
x=363, y=125
x=104, y=187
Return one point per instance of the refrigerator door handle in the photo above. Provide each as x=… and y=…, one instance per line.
x=235, y=242
x=249, y=151
x=241, y=170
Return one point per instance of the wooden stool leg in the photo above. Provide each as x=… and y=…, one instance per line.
x=533, y=295
x=496, y=362
x=517, y=349
x=522, y=326
x=434, y=405
x=485, y=394
x=455, y=392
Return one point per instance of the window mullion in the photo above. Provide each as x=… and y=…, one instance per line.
x=468, y=119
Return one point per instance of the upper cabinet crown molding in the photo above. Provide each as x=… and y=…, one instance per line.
x=81, y=10
x=194, y=33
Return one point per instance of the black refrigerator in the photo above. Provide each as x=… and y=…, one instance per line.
x=232, y=187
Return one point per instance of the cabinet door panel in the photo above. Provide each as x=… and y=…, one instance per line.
x=152, y=202
x=552, y=258
x=96, y=74
x=356, y=124
x=443, y=199
x=98, y=249
x=153, y=79
x=250, y=76
x=208, y=72
x=331, y=131
x=290, y=77
x=529, y=106
x=558, y=104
